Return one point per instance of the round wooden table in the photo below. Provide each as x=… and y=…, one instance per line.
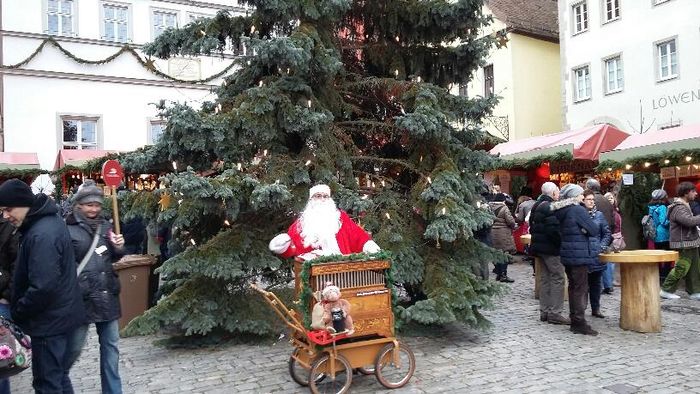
x=640, y=306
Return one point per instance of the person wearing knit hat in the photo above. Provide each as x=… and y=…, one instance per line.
x=46, y=301
x=322, y=229
x=658, y=194
x=97, y=280
x=658, y=212
x=16, y=198
x=88, y=192
x=575, y=228
x=570, y=190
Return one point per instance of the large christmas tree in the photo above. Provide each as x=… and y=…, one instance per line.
x=354, y=94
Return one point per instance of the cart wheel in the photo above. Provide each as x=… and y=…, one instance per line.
x=299, y=373
x=391, y=375
x=343, y=375
x=366, y=370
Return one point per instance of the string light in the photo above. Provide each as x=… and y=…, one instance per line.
x=444, y=210
x=396, y=72
x=398, y=39
x=418, y=79
x=647, y=164
x=628, y=166
x=260, y=84
x=192, y=242
x=609, y=169
x=387, y=215
x=365, y=196
x=175, y=165
x=203, y=32
x=688, y=158
x=430, y=181
x=239, y=166
x=265, y=152
x=383, y=183
x=252, y=29
x=308, y=162
x=667, y=161
x=226, y=222
x=308, y=103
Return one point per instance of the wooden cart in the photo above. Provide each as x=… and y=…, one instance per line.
x=326, y=363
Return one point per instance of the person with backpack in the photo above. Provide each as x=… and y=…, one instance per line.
x=685, y=239
x=656, y=226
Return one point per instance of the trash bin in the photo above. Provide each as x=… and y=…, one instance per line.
x=133, y=271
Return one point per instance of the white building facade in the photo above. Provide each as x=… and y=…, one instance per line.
x=634, y=64
x=57, y=101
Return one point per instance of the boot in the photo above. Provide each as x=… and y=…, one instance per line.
x=596, y=313
x=583, y=329
x=543, y=316
x=504, y=278
x=555, y=318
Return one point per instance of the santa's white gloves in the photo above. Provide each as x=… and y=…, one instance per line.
x=371, y=247
x=280, y=243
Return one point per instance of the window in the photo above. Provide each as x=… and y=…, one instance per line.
x=79, y=132
x=488, y=81
x=59, y=17
x=163, y=20
x=612, y=10
x=155, y=131
x=580, y=17
x=582, y=83
x=667, y=57
x=463, y=90
x=115, y=19
x=614, y=81
x=192, y=17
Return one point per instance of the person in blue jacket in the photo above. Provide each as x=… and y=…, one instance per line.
x=575, y=227
x=599, y=243
x=658, y=211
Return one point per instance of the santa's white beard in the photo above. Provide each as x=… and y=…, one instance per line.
x=320, y=222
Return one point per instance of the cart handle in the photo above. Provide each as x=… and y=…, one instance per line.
x=282, y=311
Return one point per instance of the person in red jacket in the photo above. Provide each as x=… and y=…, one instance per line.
x=322, y=229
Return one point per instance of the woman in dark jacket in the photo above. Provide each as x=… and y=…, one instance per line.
x=576, y=226
x=598, y=244
x=502, y=233
x=98, y=281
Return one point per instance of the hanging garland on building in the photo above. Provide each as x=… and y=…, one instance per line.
x=148, y=63
x=506, y=164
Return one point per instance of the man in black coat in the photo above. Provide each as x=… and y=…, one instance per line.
x=46, y=301
x=545, y=243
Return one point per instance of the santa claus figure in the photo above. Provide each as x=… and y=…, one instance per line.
x=322, y=229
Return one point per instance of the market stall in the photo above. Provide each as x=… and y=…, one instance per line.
x=568, y=157
x=68, y=167
x=672, y=153
x=24, y=166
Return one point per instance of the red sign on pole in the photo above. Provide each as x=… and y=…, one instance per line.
x=112, y=173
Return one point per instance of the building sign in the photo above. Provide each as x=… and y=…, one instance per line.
x=182, y=68
x=670, y=100
x=668, y=172
x=686, y=171
x=576, y=166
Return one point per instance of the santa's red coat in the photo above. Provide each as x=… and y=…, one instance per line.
x=351, y=237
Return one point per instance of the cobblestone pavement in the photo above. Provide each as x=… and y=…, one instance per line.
x=519, y=355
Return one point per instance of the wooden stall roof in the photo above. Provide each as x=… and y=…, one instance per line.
x=583, y=144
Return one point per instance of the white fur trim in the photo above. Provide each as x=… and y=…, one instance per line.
x=319, y=189
x=371, y=247
x=280, y=243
